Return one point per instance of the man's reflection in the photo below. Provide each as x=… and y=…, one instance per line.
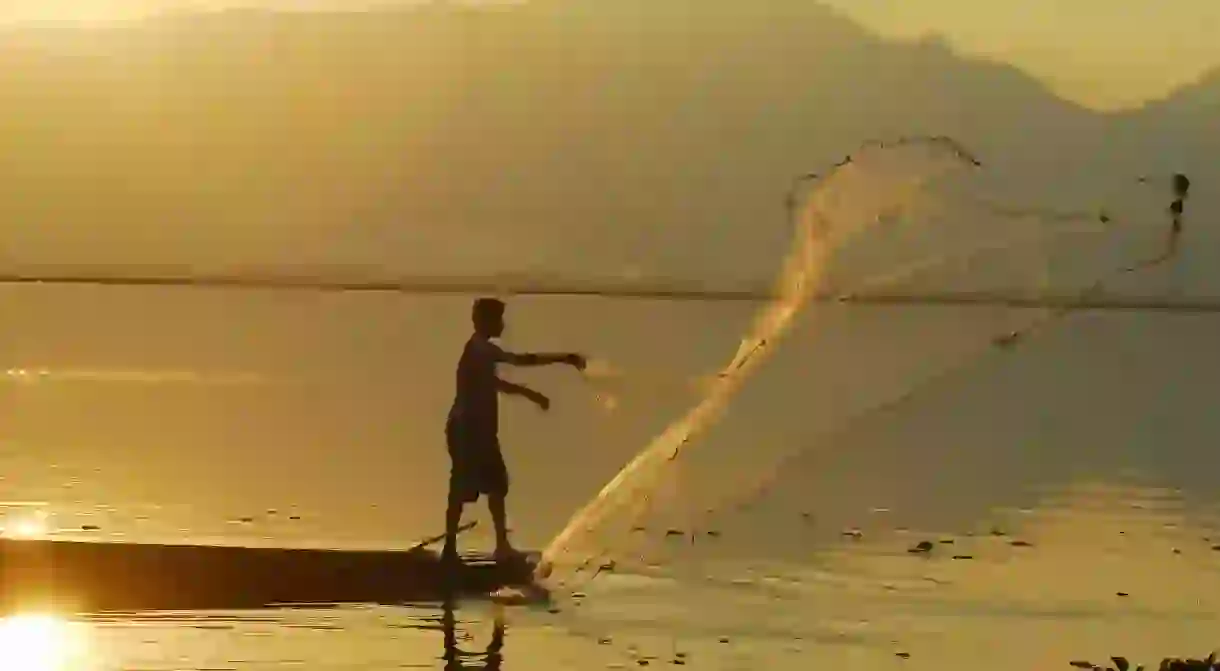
x=457, y=659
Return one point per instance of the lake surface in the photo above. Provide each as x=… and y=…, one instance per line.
x=1077, y=467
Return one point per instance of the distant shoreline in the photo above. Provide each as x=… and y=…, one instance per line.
x=641, y=290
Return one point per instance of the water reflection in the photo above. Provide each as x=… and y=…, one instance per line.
x=339, y=638
x=41, y=643
x=457, y=659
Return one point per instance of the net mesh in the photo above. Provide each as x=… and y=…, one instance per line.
x=748, y=512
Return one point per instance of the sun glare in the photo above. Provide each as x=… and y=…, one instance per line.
x=40, y=643
x=29, y=527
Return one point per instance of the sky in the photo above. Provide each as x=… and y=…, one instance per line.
x=1094, y=52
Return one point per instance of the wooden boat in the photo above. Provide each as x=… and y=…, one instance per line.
x=87, y=577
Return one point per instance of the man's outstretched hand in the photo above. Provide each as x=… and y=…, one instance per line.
x=576, y=361
x=539, y=399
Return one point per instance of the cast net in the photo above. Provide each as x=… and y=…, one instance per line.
x=726, y=512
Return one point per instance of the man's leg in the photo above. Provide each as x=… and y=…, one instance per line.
x=497, y=493
x=453, y=518
x=499, y=518
x=459, y=475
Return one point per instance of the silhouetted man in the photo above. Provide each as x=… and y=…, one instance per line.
x=1181, y=188
x=472, y=430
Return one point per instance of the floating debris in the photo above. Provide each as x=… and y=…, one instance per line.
x=1167, y=664
x=921, y=548
x=963, y=556
x=903, y=655
x=1021, y=544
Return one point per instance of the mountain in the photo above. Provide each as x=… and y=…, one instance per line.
x=556, y=137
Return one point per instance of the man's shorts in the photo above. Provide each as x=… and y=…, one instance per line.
x=477, y=467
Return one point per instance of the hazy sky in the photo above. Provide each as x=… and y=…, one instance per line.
x=1097, y=52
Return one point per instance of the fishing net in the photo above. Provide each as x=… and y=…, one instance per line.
x=734, y=510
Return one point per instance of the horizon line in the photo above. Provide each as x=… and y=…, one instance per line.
x=1083, y=299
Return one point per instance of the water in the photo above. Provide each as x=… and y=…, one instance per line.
x=1094, y=445
x=418, y=636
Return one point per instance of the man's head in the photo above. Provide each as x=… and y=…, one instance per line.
x=1181, y=185
x=488, y=317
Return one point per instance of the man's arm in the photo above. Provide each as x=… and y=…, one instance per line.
x=506, y=387
x=532, y=359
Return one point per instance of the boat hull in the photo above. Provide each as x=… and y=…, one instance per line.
x=97, y=577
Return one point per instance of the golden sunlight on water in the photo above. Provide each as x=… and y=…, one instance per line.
x=33, y=642
x=34, y=525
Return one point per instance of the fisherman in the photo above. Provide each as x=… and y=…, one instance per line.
x=1181, y=187
x=473, y=425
